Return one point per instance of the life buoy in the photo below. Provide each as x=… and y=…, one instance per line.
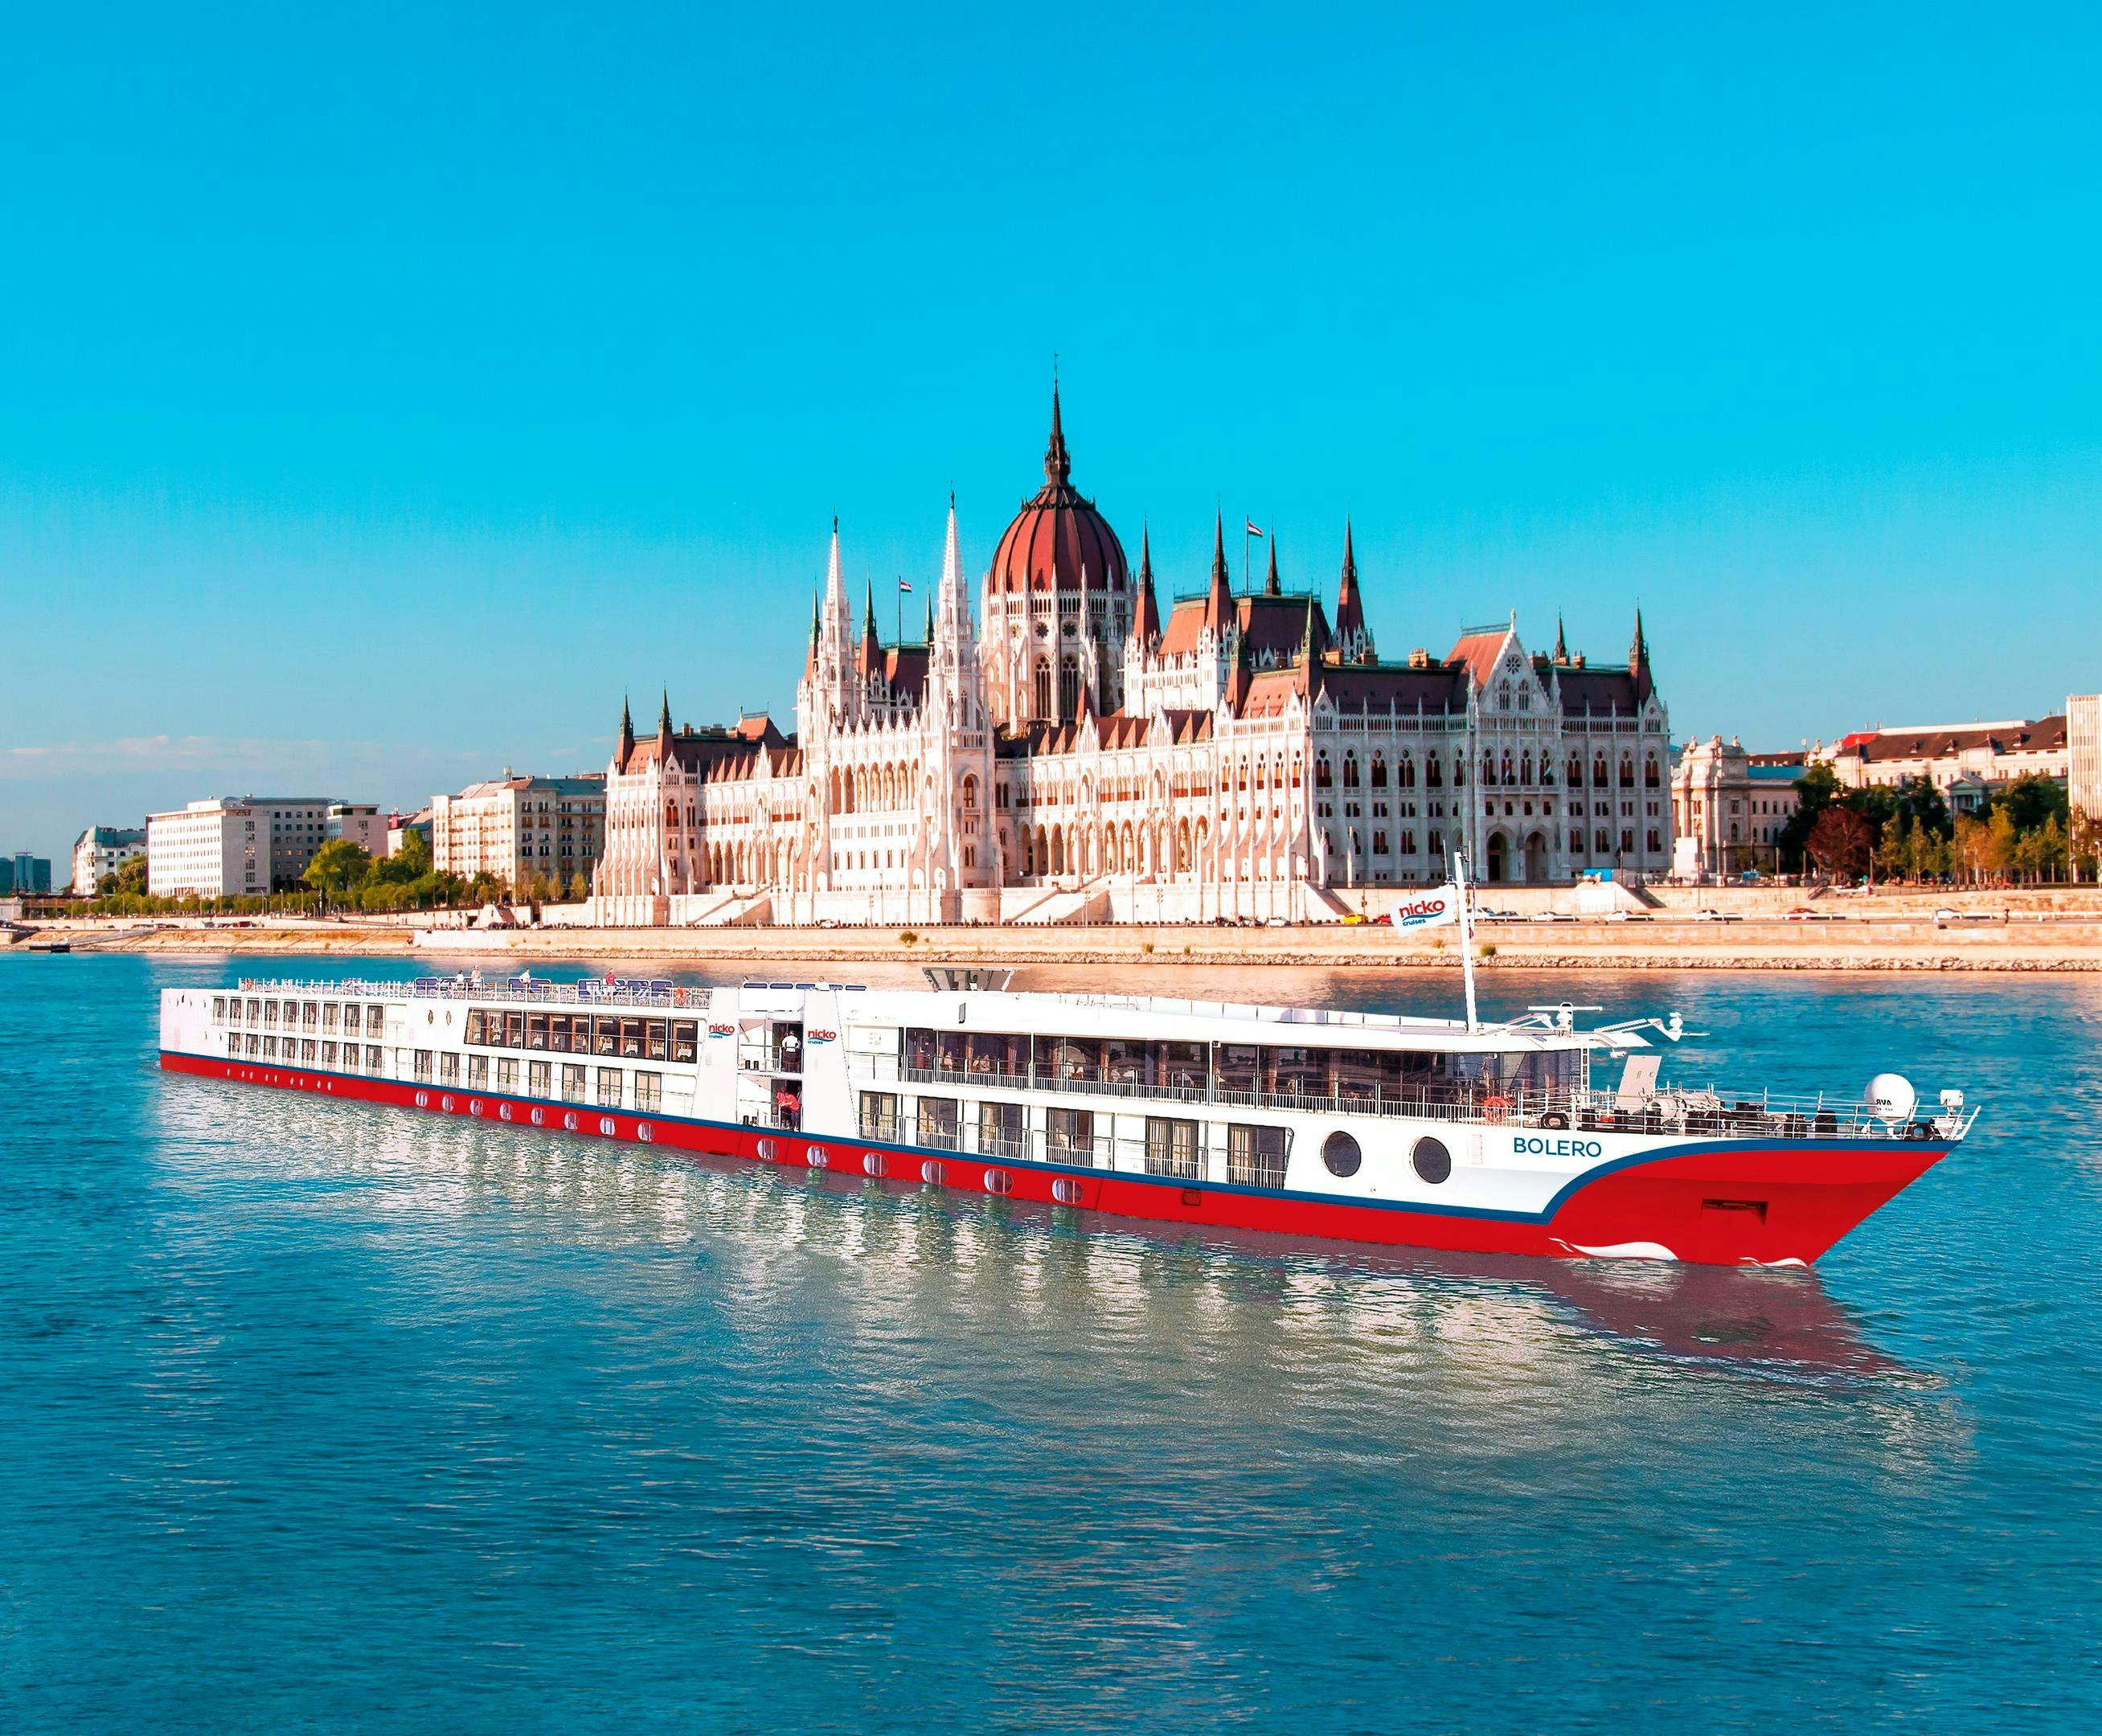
x=1554, y=1119
x=1496, y=1111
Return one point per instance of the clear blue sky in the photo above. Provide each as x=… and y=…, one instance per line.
x=381, y=394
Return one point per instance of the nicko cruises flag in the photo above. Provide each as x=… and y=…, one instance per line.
x=1429, y=910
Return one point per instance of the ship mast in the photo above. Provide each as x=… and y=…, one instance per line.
x=1466, y=935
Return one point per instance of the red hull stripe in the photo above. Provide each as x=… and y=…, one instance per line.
x=1654, y=1197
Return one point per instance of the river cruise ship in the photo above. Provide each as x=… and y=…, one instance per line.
x=1536, y=1135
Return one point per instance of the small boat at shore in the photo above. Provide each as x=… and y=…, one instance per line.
x=1535, y=1136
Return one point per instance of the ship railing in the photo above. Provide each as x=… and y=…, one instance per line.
x=1710, y=1111
x=592, y=992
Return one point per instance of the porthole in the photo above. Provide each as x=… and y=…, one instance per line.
x=422, y=1098
x=504, y=1112
x=815, y=1157
x=570, y=1122
x=872, y=1163
x=932, y=1173
x=1339, y=1152
x=766, y=1151
x=539, y=1117
x=606, y=1126
x=446, y=1104
x=474, y=1105
x=999, y=1181
x=1066, y=1191
x=1433, y=1162
x=643, y=1130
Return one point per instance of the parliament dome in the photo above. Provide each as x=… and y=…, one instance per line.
x=1058, y=542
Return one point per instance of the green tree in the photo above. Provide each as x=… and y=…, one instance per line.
x=1918, y=801
x=339, y=868
x=1814, y=791
x=2030, y=801
x=579, y=887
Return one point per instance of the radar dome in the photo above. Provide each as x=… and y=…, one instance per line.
x=1892, y=1097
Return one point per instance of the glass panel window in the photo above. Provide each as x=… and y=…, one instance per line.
x=424, y=1058
x=1255, y=1156
x=659, y=1039
x=350, y=1017
x=536, y=1078
x=1000, y=1129
x=476, y=1023
x=375, y=1019
x=879, y=1115
x=478, y=1072
x=507, y=1074
x=558, y=1032
x=608, y=1087
x=1237, y=1066
x=1171, y=1148
x=536, y=1031
x=605, y=1036
x=372, y=1058
x=328, y=1055
x=685, y=1039
x=937, y=1122
x=574, y=1084
x=449, y=1069
x=328, y=1016
x=1183, y=1066
x=1072, y=1135
x=219, y=1006
x=648, y=1091
x=514, y=1030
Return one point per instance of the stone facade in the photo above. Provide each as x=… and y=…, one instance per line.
x=1729, y=808
x=518, y=829
x=1076, y=755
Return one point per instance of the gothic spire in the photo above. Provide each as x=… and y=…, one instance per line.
x=1057, y=463
x=1219, y=601
x=664, y=718
x=1349, y=607
x=1148, y=623
x=1270, y=587
x=1638, y=661
x=1307, y=650
x=627, y=731
x=1561, y=643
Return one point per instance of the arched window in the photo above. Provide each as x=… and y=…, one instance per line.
x=1525, y=767
x=1488, y=768
x=1627, y=773
x=1599, y=778
x=1323, y=779
x=1379, y=771
x=1043, y=687
x=1507, y=777
x=970, y=794
x=1650, y=778
x=1350, y=771
x=1434, y=772
x=1069, y=686
x=1576, y=772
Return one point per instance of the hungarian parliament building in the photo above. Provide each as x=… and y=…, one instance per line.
x=1075, y=755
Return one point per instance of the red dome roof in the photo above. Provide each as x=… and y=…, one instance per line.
x=1057, y=539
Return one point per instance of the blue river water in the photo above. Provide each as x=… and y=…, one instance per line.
x=319, y=1416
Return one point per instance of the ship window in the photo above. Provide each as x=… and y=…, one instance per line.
x=631, y=1038
x=536, y=1031
x=328, y=1015
x=507, y=1074
x=879, y=1115
x=478, y=1072
x=254, y=1011
x=605, y=1037
x=374, y=1017
x=999, y=1129
x=573, y=1084
x=1072, y=1135
x=423, y=1066
x=449, y=1069
x=685, y=1039
x=659, y=1039
x=1237, y=1066
x=937, y=1122
x=1433, y=1162
x=999, y=1181
x=536, y=1078
x=1255, y=1156
x=1171, y=1148
x=608, y=1087
x=648, y=1091
x=514, y=1030
x=372, y=1058
x=1340, y=1153
x=219, y=1006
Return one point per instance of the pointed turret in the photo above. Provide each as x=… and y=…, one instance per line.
x=1146, y=624
x=664, y=720
x=1309, y=648
x=1638, y=661
x=1561, y=643
x=810, y=658
x=627, y=732
x=927, y=637
x=1219, y=601
x=871, y=647
x=1350, y=634
x=1058, y=463
x=1270, y=587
